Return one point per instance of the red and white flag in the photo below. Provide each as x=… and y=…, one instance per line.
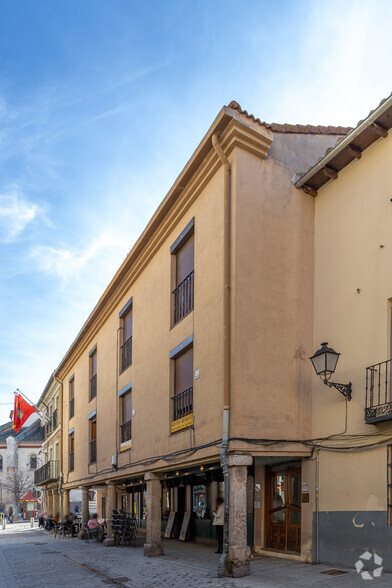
x=22, y=411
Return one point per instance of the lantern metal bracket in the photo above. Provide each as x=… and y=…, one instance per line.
x=345, y=389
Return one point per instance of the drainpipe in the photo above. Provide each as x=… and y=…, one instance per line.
x=226, y=341
x=317, y=500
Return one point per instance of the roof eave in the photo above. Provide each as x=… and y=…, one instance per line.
x=351, y=136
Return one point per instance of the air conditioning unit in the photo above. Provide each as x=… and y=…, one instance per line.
x=114, y=460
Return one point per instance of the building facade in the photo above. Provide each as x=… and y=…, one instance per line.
x=202, y=338
x=48, y=475
x=20, y=456
x=352, y=187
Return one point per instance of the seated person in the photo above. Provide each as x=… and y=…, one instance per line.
x=94, y=527
x=93, y=522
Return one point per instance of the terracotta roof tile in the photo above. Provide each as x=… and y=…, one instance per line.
x=287, y=128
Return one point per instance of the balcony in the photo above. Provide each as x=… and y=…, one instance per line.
x=183, y=299
x=93, y=451
x=71, y=461
x=48, y=472
x=183, y=404
x=126, y=431
x=93, y=387
x=379, y=392
x=71, y=407
x=126, y=354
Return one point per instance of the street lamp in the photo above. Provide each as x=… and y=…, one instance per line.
x=324, y=362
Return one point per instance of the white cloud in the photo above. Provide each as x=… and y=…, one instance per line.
x=65, y=263
x=15, y=214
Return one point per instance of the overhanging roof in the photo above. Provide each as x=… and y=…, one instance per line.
x=350, y=147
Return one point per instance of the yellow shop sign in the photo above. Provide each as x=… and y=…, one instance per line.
x=183, y=423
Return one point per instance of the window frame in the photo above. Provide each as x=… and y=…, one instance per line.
x=125, y=349
x=93, y=384
x=92, y=421
x=71, y=445
x=175, y=423
x=71, y=398
x=182, y=294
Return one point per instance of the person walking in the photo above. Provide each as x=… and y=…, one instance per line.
x=219, y=516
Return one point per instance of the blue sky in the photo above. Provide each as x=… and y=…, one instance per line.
x=101, y=105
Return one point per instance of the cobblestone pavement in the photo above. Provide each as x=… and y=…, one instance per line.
x=34, y=559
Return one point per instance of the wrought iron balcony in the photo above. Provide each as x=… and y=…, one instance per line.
x=48, y=472
x=379, y=392
x=183, y=404
x=71, y=461
x=93, y=451
x=183, y=299
x=126, y=354
x=126, y=431
x=93, y=387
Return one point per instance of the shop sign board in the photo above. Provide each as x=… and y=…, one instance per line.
x=186, y=421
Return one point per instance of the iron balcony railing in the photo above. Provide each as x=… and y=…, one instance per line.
x=379, y=392
x=93, y=451
x=126, y=431
x=126, y=354
x=46, y=473
x=71, y=461
x=183, y=404
x=93, y=387
x=71, y=407
x=183, y=298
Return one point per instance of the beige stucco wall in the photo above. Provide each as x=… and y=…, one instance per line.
x=353, y=217
x=153, y=340
x=272, y=329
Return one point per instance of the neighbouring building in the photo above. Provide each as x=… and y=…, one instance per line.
x=209, y=316
x=49, y=476
x=20, y=456
x=197, y=353
x=352, y=187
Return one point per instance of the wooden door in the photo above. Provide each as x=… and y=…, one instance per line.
x=284, y=510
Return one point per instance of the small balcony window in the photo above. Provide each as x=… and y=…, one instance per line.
x=183, y=274
x=71, y=397
x=126, y=417
x=93, y=440
x=93, y=373
x=126, y=347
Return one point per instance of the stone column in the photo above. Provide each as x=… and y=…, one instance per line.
x=236, y=563
x=111, y=504
x=65, y=503
x=85, y=511
x=56, y=502
x=49, y=503
x=153, y=546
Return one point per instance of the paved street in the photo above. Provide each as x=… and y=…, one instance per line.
x=34, y=559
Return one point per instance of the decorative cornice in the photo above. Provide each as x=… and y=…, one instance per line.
x=234, y=131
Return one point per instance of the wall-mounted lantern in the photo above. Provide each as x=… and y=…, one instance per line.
x=324, y=362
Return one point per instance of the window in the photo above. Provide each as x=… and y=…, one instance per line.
x=124, y=502
x=103, y=509
x=389, y=485
x=71, y=443
x=93, y=439
x=33, y=462
x=183, y=385
x=183, y=270
x=126, y=417
x=93, y=373
x=126, y=347
x=71, y=397
x=1, y=463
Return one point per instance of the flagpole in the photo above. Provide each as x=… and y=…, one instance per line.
x=17, y=391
